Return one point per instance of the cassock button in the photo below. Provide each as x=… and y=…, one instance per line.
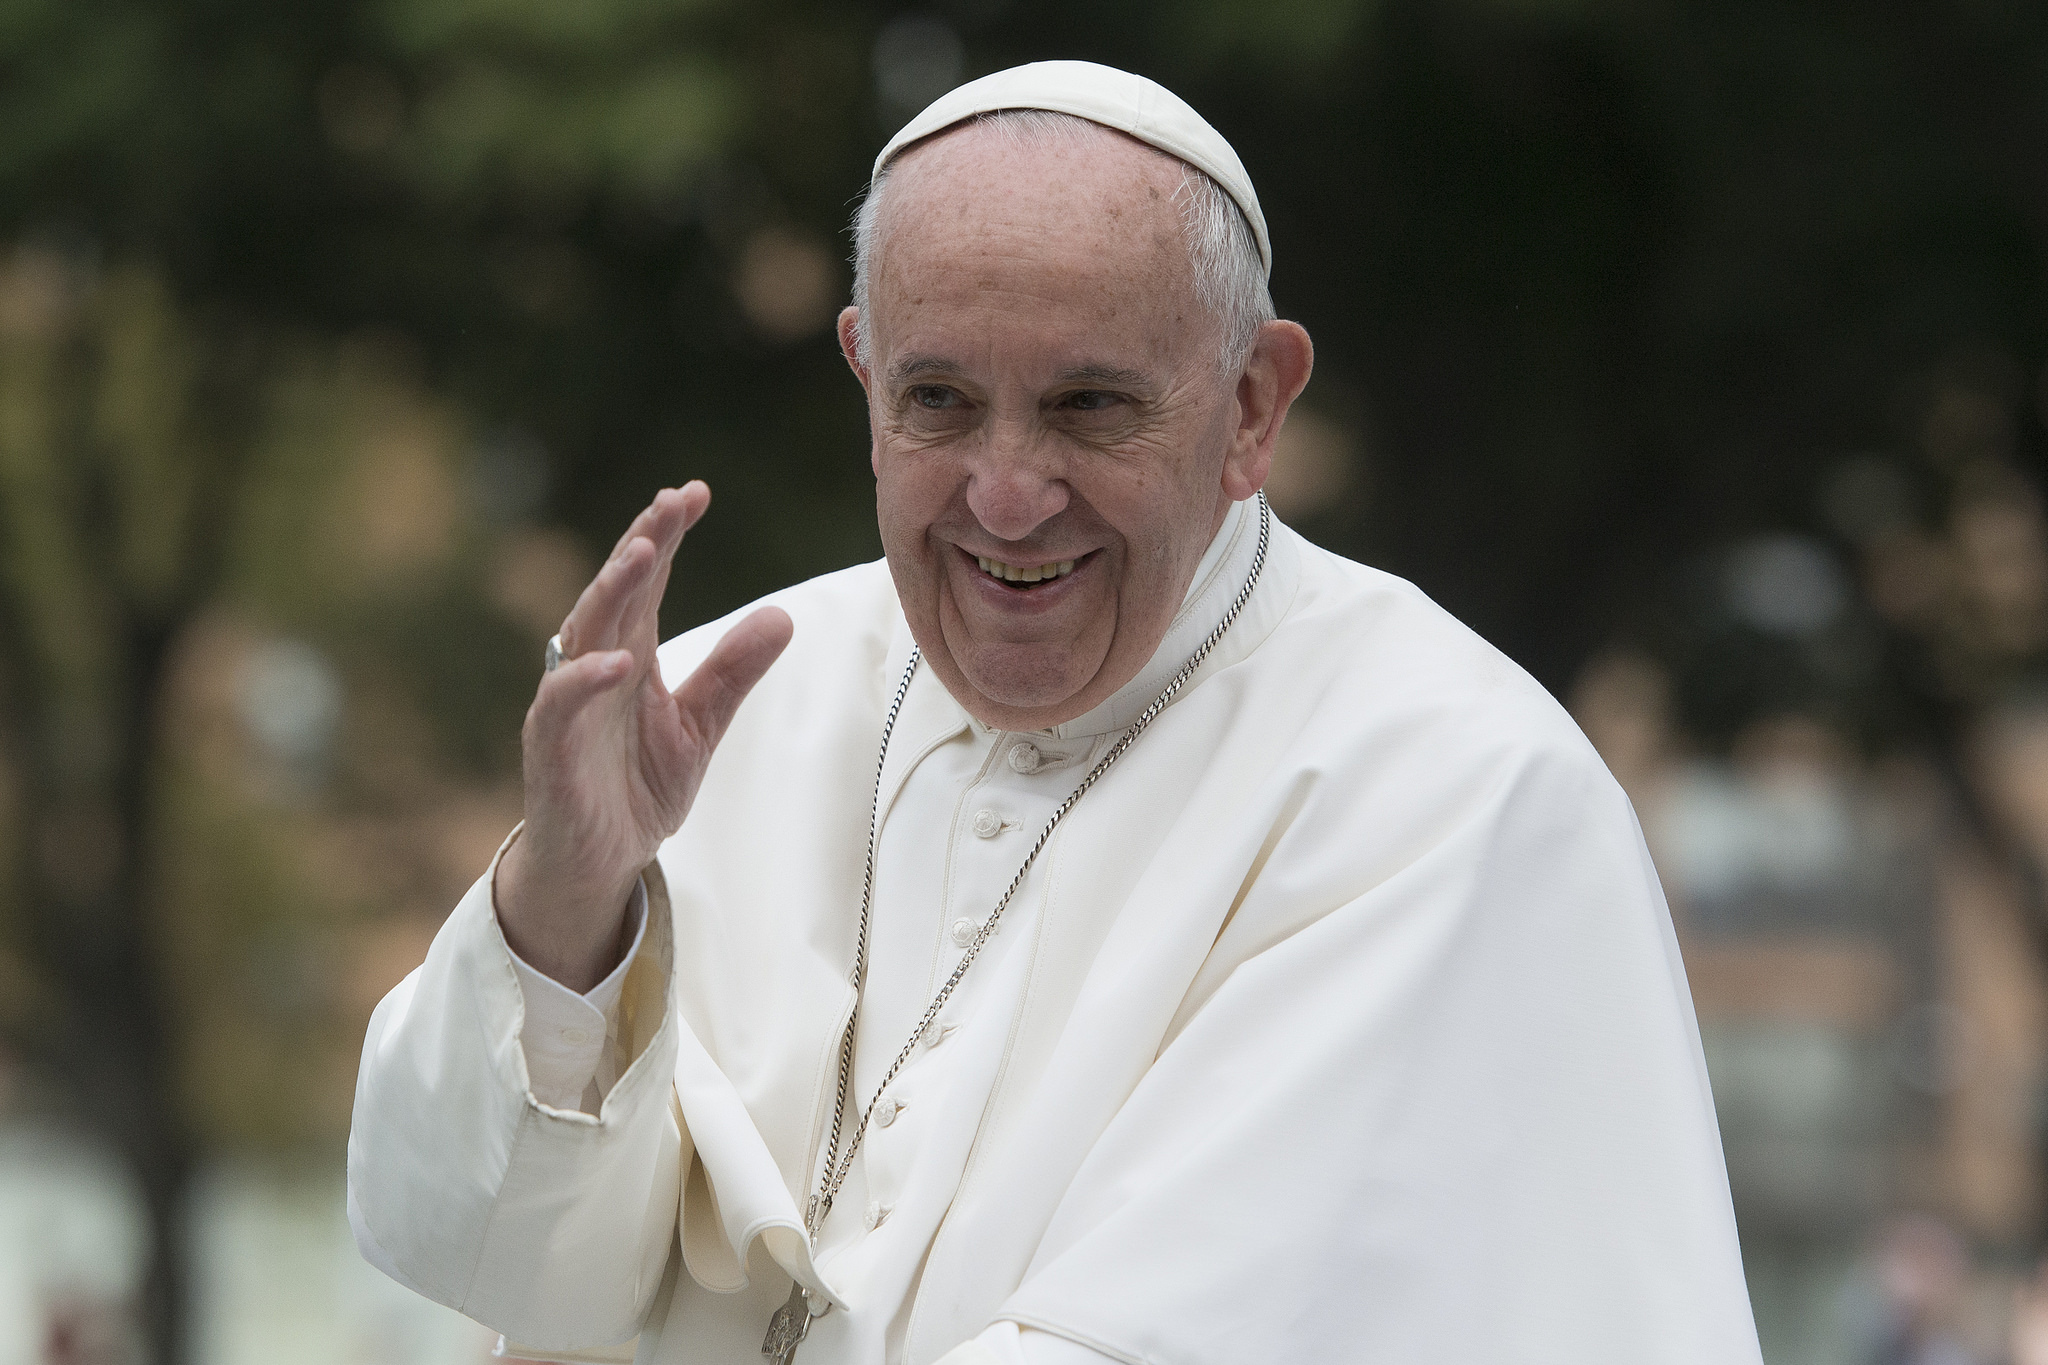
x=963, y=932
x=877, y=1214
x=886, y=1111
x=987, y=824
x=1024, y=758
x=575, y=1036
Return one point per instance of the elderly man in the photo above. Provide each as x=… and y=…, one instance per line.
x=1115, y=930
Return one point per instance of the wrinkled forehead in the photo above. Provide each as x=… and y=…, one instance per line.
x=1096, y=208
x=1070, y=163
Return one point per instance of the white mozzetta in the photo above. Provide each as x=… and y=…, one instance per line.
x=1007, y=1344
x=1341, y=1021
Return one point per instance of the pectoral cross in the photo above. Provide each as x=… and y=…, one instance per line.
x=786, y=1330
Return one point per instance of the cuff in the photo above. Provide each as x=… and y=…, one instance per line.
x=571, y=1041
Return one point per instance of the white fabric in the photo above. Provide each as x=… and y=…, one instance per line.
x=571, y=1040
x=1343, y=1020
x=1144, y=109
x=1005, y=1343
x=955, y=834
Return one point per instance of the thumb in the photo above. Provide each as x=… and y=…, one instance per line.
x=710, y=697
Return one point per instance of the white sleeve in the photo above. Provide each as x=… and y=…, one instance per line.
x=571, y=1040
x=1006, y=1343
x=550, y=1224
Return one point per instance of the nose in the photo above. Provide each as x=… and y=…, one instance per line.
x=1011, y=489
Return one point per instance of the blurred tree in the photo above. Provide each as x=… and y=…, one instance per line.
x=151, y=467
x=117, y=463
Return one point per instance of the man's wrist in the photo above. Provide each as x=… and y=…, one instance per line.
x=571, y=935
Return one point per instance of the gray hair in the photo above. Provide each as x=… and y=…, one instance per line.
x=1230, y=275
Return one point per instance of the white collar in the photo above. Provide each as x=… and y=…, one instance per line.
x=1218, y=578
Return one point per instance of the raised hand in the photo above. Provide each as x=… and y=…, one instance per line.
x=612, y=758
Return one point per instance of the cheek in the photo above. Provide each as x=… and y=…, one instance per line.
x=910, y=494
x=1155, y=500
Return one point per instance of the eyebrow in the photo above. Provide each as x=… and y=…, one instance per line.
x=914, y=366
x=1102, y=374
x=910, y=367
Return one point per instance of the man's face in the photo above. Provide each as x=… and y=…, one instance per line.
x=1050, y=425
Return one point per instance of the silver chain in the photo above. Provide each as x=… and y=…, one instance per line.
x=837, y=1165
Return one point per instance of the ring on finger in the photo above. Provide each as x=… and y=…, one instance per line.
x=554, y=658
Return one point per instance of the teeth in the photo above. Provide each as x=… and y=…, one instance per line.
x=1035, y=573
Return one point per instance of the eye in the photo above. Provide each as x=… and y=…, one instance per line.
x=1090, y=400
x=934, y=397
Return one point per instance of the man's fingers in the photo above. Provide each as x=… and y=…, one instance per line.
x=709, y=697
x=673, y=511
x=566, y=690
x=643, y=605
x=631, y=583
x=595, y=621
x=646, y=523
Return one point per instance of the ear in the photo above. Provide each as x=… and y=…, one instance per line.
x=849, y=324
x=849, y=346
x=1275, y=373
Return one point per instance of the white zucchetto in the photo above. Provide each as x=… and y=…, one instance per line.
x=1144, y=109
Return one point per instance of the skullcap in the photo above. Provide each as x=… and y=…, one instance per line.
x=1145, y=109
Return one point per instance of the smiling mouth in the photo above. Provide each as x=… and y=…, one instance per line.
x=1025, y=575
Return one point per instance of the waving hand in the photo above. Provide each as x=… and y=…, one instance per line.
x=613, y=759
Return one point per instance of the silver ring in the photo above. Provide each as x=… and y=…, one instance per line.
x=552, y=660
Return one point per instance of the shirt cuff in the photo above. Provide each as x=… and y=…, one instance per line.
x=571, y=1040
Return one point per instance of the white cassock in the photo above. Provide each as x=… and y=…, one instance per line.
x=1341, y=1021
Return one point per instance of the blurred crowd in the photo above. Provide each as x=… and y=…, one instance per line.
x=1838, y=747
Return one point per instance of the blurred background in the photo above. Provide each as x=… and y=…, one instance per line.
x=1692, y=352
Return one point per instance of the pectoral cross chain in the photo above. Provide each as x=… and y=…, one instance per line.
x=792, y=1321
x=787, y=1329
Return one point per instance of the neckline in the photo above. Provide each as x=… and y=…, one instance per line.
x=1218, y=576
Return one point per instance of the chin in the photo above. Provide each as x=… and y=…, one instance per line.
x=1024, y=683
